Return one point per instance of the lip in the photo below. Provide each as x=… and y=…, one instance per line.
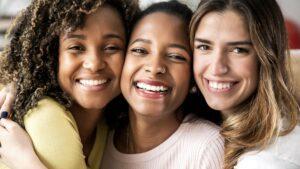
x=152, y=94
x=220, y=91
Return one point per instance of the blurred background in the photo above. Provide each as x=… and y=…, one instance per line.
x=290, y=8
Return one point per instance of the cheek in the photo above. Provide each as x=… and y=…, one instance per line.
x=249, y=69
x=182, y=82
x=62, y=69
x=126, y=73
x=198, y=67
x=117, y=65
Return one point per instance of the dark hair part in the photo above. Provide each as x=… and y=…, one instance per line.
x=257, y=121
x=31, y=57
x=172, y=7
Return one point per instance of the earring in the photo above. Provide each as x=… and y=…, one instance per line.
x=193, y=90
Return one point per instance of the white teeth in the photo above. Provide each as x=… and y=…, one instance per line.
x=86, y=82
x=151, y=88
x=219, y=86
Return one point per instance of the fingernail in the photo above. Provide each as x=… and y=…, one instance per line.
x=4, y=114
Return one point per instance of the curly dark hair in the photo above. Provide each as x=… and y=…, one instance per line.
x=31, y=57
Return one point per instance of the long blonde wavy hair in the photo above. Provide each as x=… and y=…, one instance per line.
x=258, y=120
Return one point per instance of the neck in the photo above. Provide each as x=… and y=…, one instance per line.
x=86, y=121
x=145, y=133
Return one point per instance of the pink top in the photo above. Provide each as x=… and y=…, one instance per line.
x=196, y=144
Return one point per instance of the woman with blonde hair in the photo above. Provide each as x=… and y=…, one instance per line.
x=241, y=65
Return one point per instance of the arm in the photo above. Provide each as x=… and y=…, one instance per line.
x=16, y=147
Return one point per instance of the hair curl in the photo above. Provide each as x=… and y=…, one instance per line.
x=31, y=57
x=258, y=120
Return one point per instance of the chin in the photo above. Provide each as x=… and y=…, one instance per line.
x=93, y=105
x=149, y=112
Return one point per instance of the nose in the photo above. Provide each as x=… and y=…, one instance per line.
x=219, y=64
x=155, y=65
x=94, y=61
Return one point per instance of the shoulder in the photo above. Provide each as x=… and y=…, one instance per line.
x=54, y=135
x=47, y=104
x=202, y=139
x=283, y=153
x=47, y=110
x=202, y=135
x=201, y=129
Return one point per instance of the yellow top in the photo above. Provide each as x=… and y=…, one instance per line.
x=56, y=139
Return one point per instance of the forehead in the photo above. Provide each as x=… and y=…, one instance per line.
x=106, y=19
x=228, y=24
x=105, y=16
x=162, y=25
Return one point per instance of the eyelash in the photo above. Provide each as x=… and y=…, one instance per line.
x=139, y=51
x=77, y=48
x=177, y=57
x=200, y=47
x=239, y=50
x=111, y=48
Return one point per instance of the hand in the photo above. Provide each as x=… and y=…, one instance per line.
x=7, y=97
x=16, y=149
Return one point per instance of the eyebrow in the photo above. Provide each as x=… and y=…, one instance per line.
x=113, y=36
x=74, y=36
x=140, y=40
x=173, y=45
x=83, y=37
x=245, y=42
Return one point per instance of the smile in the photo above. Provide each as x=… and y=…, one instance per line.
x=220, y=86
x=151, y=88
x=90, y=82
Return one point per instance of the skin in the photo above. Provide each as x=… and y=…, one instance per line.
x=90, y=65
x=95, y=52
x=168, y=49
x=157, y=56
x=225, y=62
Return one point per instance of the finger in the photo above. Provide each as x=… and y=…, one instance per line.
x=3, y=133
x=2, y=96
x=8, y=124
x=12, y=88
x=8, y=103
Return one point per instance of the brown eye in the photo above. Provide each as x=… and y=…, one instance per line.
x=239, y=50
x=76, y=48
x=139, y=51
x=111, y=49
x=177, y=58
x=202, y=47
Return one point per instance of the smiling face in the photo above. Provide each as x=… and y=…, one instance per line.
x=91, y=59
x=156, y=73
x=225, y=62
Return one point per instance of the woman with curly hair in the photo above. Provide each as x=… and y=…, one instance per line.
x=66, y=58
x=241, y=65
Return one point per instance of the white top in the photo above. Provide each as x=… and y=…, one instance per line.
x=283, y=154
x=196, y=144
